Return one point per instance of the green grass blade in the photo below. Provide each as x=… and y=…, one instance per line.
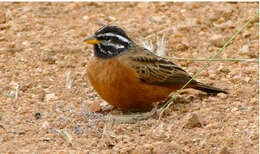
x=170, y=101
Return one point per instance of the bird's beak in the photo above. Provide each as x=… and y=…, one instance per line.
x=92, y=40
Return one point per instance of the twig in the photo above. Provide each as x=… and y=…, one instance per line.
x=170, y=101
x=9, y=50
x=16, y=93
x=65, y=136
x=68, y=79
x=215, y=59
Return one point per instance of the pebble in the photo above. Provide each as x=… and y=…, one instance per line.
x=212, y=76
x=246, y=34
x=217, y=40
x=25, y=43
x=49, y=97
x=245, y=49
x=2, y=17
x=110, y=18
x=193, y=121
x=101, y=22
x=85, y=17
x=94, y=107
x=37, y=115
x=222, y=95
x=182, y=47
x=243, y=108
x=247, y=79
x=254, y=100
x=224, y=150
x=45, y=124
x=157, y=19
x=4, y=26
x=234, y=109
x=223, y=69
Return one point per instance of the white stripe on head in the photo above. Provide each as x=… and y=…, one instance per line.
x=108, y=43
x=123, y=39
x=100, y=48
x=103, y=51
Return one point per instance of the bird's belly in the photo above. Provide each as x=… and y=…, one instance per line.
x=118, y=84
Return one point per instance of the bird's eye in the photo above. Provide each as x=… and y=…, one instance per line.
x=106, y=38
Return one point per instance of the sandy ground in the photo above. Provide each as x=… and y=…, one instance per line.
x=45, y=94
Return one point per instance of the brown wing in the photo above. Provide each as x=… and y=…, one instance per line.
x=156, y=70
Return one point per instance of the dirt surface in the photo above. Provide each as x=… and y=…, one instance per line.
x=45, y=94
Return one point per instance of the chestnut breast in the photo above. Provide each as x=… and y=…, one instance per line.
x=117, y=83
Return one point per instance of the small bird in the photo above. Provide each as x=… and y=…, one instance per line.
x=129, y=76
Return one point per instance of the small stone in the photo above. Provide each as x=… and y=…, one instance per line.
x=223, y=69
x=243, y=108
x=193, y=121
x=245, y=49
x=2, y=126
x=49, y=97
x=110, y=18
x=247, y=79
x=4, y=26
x=217, y=40
x=85, y=17
x=234, y=109
x=183, y=27
x=2, y=17
x=182, y=47
x=41, y=95
x=101, y=22
x=48, y=58
x=26, y=43
x=214, y=17
x=37, y=115
x=246, y=34
x=2, y=38
x=224, y=150
x=157, y=19
x=222, y=95
x=212, y=76
x=45, y=124
x=94, y=107
x=254, y=100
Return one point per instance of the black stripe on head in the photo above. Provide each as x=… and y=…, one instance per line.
x=107, y=51
x=111, y=29
x=114, y=35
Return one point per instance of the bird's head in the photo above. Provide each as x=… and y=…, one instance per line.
x=109, y=41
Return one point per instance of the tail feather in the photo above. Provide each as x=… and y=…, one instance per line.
x=208, y=89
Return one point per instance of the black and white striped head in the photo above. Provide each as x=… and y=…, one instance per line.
x=109, y=41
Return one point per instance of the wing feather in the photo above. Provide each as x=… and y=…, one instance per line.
x=156, y=70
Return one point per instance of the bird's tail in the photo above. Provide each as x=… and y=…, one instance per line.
x=208, y=89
